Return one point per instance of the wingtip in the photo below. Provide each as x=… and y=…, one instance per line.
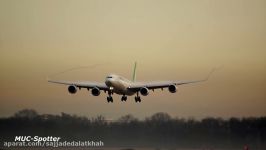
x=212, y=71
x=47, y=79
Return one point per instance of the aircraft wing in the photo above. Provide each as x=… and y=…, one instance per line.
x=164, y=84
x=159, y=84
x=82, y=84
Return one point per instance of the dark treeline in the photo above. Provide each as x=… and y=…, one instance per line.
x=159, y=129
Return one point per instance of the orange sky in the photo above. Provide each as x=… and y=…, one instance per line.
x=170, y=40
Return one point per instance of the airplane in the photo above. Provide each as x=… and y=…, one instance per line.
x=122, y=86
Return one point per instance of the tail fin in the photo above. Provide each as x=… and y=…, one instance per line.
x=134, y=73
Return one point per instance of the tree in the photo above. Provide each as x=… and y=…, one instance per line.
x=127, y=119
x=160, y=117
x=26, y=113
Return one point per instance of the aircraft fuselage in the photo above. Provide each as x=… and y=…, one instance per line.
x=119, y=84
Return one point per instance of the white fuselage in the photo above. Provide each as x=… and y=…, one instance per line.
x=119, y=84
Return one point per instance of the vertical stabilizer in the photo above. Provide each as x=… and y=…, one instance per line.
x=134, y=73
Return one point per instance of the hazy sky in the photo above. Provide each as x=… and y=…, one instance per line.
x=170, y=40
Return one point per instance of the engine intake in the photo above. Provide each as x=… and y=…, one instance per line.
x=172, y=88
x=144, y=91
x=95, y=91
x=72, y=89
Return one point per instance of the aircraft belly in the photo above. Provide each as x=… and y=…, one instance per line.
x=121, y=89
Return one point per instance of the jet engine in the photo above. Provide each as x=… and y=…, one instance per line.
x=72, y=89
x=144, y=91
x=172, y=88
x=95, y=91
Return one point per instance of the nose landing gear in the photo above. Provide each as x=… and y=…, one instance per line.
x=109, y=99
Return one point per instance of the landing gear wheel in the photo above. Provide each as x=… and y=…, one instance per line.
x=137, y=99
x=123, y=98
x=109, y=99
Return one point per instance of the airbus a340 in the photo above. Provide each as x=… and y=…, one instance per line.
x=122, y=86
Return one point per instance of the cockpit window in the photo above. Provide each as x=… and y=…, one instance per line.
x=109, y=77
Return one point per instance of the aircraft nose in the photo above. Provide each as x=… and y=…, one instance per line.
x=108, y=82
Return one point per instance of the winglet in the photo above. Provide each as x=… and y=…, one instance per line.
x=207, y=78
x=211, y=72
x=47, y=79
x=134, y=73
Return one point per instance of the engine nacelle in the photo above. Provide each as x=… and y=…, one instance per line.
x=95, y=91
x=144, y=91
x=72, y=89
x=172, y=88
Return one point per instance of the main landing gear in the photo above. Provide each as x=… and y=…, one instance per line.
x=137, y=99
x=124, y=98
